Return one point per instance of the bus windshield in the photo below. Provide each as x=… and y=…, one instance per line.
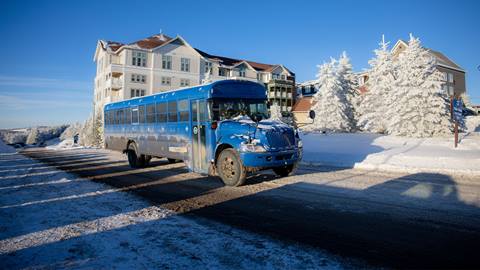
x=231, y=108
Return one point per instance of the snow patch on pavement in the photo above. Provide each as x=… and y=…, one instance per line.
x=56, y=220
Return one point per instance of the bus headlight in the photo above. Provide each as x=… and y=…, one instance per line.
x=299, y=143
x=248, y=147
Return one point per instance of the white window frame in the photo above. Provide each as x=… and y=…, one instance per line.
x=184, y=82
x=242, y=73
x=166, y=62
x=450, y=77
x=166, y=81
x=185, y=64
x=139, y=58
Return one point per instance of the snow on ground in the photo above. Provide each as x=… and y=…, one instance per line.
x=57, y=144
x=56, y=220
x=375, y=151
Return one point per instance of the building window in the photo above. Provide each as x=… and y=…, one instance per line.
x=450, y=90
x=184, y=82
x=137, y=78
x=208, y=67
x=445, y=76
x=450, y=77
x=241, y=73
x=222, y=72
x=166, y=62
x=139, y=59
x=283, y=77
x=137, y=92
x=185, y=64
x=166, y=81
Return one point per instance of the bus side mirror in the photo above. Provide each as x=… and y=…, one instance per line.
x=311, y=114
x=257, y=117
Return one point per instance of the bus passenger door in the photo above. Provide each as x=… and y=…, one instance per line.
x=198, y=131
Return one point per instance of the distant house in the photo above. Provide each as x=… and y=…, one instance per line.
x=453, y=74
x=307, y=88
x=301, y=110
x=161, y=63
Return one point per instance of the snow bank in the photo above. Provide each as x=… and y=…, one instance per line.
x=57, y=144
x=374, y=151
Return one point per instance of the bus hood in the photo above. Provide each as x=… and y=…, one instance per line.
x=273, y=135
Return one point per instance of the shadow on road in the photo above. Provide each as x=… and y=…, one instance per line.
x=415, y=221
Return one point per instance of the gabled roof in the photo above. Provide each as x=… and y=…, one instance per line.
x=303, y=104
x=159, y=40
x=152, y=42
x=227, y=61
x=442, y=60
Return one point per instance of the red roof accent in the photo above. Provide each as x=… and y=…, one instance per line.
x=303, y=104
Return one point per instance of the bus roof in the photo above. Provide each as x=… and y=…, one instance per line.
x=232, y=89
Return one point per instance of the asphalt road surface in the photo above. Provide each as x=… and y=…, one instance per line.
x=422, y=220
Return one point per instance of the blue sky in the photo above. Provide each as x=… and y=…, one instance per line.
x=47, y=71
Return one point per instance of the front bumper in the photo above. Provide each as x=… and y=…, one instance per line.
x=271, y=159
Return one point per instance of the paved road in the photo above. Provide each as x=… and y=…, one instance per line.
x=389, y=220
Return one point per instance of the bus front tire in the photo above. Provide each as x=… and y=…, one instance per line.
x=230, y=168
x=285, y=170
x=136, y=161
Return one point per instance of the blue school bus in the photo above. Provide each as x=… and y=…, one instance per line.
x=215, y=128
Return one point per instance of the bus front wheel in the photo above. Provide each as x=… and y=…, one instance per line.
x=134, y=160
x=230, y=168
x=285, y=170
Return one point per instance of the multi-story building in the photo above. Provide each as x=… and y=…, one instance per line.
x=453, y=74
x=160, y=63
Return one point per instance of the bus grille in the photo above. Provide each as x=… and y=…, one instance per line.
x=281, y=139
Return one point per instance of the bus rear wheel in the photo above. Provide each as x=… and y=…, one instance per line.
x=230, y=168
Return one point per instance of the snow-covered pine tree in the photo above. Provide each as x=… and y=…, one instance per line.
x=275, y=113
x=381, y=82
x=33, y=136
x=349, y=83
x=420, y=107
x=331, y=107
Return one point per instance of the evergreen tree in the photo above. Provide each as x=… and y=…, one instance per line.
x=381, y=83
x=331, y=107
x=419, y=107
x=349, y=84
x=33, y=136
x=275, y=113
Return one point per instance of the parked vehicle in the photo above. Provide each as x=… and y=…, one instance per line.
x=216, y=129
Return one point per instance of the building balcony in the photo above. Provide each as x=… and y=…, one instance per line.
x=115, y=83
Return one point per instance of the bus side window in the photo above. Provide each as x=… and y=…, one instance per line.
x=128, y=114
x=183, y=109
x=202, y=110
x=105, y=117
x=117, y=117
x=112, y=117
x=151, y=113
x=172, y=111
x=141, y=114
x=122, y=118
x=135, y=115
x=161, y=112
